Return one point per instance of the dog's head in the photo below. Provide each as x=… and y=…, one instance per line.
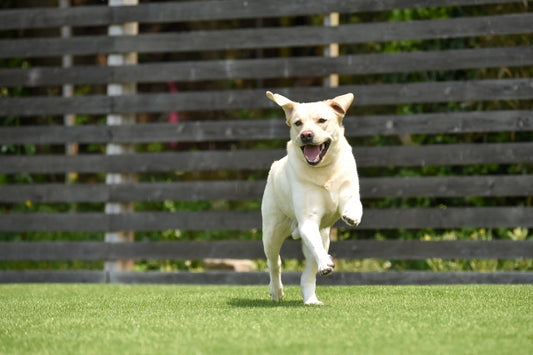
x=315, y=126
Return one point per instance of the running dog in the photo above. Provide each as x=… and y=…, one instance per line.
x=310, y=189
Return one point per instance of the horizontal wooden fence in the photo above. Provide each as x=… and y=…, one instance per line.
x=228, y=133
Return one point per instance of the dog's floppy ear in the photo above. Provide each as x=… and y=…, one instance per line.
x=286, y=104
x=341, y=104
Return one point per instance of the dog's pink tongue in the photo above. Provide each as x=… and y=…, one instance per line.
x=312, y=152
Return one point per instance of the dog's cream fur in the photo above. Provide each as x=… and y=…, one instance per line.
x=310, y=189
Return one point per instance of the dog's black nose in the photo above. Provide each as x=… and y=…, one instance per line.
x=307, y=137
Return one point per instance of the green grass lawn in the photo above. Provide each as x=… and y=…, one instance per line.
x=121, y=319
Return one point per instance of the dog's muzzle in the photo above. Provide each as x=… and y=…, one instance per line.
x=315, y=153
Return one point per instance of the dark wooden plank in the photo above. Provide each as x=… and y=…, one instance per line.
x=450, y=186
x=365, y=95
x=198, y=278
x=426, y=278
x=144, y=162
x=298, y=36
x=205, y=11
x=178, y=191
x=271, y=67
x=192, y=131
x=349, y=249
x=56, y=276
x=251, y=130
x=418, y=250
x=94, y=104
x=262, y=278
x=144, y=221
x=336, y=278
x=432, y=123
x=453, y=154
x=409, y=218
x=428, y=155
x=390, y=187
x=35, y=251
x=451, y=217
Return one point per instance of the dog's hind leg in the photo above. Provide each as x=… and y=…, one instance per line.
x=274, y=267
x=272, y=241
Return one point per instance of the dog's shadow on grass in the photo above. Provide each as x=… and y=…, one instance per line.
x=264, y=303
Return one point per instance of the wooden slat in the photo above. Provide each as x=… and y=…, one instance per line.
x=271, y=68
x=202, y=278
x=409, y=218
x=365, y=95
x=143, y=162
x=179, y=191
x=298, y=36
x=452, y=217
x=262, y=278
x=389, y=156
x=192, y=131
x=349, y=249
x=425, y=278
x=432, y=123
x=56, y=276
x=204, y=11
x=251, y=130
x=451, y=186
x=418, y=250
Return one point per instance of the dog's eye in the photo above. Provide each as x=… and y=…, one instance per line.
x=298, y=123
x=322, y=120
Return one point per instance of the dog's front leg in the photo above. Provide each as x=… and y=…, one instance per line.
x=308, y=279
x=351, y=208
x=352, y=211
x=311, y=237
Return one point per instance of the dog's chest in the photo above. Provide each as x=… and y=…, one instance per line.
x=332, y=190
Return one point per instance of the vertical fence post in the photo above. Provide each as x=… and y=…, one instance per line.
x=69, y=119
x=117, y=89
x=332, y=49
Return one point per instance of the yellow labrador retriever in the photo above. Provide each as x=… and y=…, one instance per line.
x=310, y=189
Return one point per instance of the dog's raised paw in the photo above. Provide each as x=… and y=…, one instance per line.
x=328, y=268
x=350, y=221
x=326, y=271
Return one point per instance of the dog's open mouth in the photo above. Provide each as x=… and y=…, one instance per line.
x=315, y=153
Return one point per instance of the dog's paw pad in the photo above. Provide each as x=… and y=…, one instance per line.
x=350, y=221
x=328, y=269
